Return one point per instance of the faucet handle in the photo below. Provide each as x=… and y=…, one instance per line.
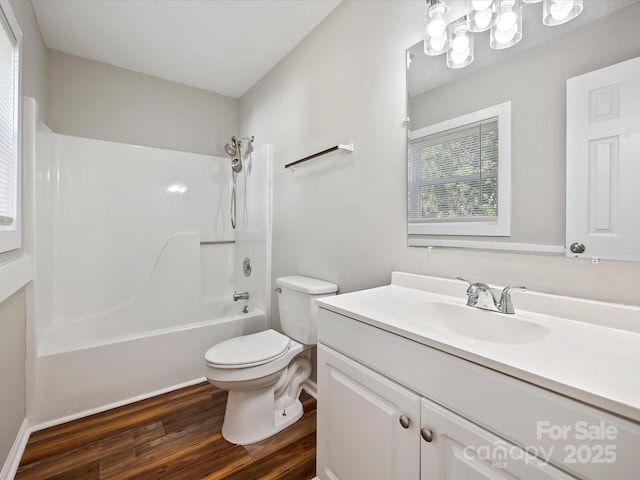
x=506, y=305
x=472, y=291
x=473, y=287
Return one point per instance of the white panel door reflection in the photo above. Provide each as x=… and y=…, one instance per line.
x=603, y=163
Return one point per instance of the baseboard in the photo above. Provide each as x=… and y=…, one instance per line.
x=311, y=388
x=15, y=454
x=104, y=408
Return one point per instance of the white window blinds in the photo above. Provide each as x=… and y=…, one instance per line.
x=9, y=75
x=453, y=174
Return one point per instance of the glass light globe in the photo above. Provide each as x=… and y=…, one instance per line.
x=438, y=43
x=507, y=20
x=483, y=18
x=503, y=37
x=480, y=5
x=436, y=27
x=560, y=9
x=557, y=12
x=508, y=31
x=460, y=52
x=459, y=57
x=460, y=43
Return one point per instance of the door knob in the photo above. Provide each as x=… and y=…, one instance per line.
x=426, y=434
x=405, y=421
x=577, y=247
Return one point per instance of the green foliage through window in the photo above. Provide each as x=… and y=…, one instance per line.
x=453, y=175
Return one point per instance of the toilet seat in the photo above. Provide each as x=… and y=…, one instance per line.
x=248, y=350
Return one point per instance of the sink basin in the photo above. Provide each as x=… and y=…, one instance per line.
x=474, y=323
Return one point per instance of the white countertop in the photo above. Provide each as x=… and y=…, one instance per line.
x=587, y=360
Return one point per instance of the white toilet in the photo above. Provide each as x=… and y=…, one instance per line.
x=264, y=372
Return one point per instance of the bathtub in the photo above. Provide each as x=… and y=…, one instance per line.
x=78, y=375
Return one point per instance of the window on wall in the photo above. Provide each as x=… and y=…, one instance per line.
x=10, y=37
x=459, y=175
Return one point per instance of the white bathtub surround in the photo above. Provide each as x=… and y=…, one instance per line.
x=134, y=260
x=169, y=297
x=115, y=208
x=95, y=376
x=254, y=226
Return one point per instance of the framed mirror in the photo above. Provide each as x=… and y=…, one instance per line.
x=532, y=76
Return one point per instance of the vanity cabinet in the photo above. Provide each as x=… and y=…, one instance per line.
x=392, y=408
x=372, y=428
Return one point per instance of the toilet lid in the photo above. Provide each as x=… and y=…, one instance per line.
x=248, y=350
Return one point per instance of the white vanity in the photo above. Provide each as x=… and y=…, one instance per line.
x=414, y=384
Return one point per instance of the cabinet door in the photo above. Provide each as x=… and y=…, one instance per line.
x=454, y=448
x=368, y=426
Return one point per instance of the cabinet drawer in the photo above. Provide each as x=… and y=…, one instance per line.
x=524, y=414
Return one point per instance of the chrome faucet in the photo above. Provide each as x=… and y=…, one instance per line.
x=240, y=296
x=481, y=295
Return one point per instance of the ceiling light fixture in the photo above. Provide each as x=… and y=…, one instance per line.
x=435, y=32
x=450, y=32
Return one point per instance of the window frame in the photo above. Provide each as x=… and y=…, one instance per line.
x=470, y=227
x=11, y=236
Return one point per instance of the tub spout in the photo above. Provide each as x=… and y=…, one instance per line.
x=240, y=296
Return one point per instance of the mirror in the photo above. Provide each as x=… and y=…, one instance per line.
x=532, y=75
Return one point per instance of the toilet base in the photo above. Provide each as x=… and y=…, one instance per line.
x=255, y=414
x=288, y=416
x=234, y=433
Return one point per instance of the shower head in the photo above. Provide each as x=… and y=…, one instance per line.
x=235, y=151
x=232, y=150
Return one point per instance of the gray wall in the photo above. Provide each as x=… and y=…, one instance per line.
x=13, y=309
x=92, y=99
x=535, y=83
x=342, y=217
x=12, y=370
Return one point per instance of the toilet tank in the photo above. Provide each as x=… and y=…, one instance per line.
x=296, y=304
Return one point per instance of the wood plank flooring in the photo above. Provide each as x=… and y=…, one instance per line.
x=171, y=436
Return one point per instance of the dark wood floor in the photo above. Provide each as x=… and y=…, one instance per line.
x=171, y=436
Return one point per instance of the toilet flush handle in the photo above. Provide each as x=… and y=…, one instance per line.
x=278, y=289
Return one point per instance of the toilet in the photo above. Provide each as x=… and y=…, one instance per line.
x=264, y=372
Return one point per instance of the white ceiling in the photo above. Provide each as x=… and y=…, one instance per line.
x=224, y=46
